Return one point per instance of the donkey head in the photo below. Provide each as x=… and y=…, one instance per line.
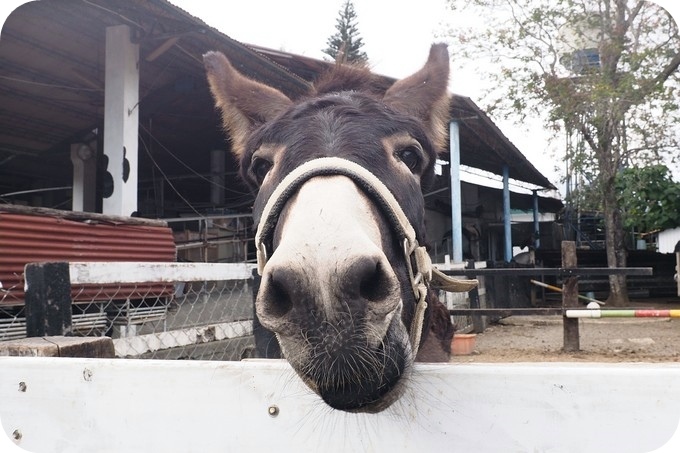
x=339, y=176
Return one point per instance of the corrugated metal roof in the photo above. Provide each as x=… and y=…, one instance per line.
x=40, y=237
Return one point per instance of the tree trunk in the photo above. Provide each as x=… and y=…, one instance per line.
x=616, y=248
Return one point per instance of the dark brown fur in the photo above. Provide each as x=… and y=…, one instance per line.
x=348, y=114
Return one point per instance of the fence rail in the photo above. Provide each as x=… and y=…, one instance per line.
x=570, y=272
x=145, y=272
x=558, y=272
x=157, y=307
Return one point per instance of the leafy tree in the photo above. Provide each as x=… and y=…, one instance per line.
x=345, y=45
x=649, y=198
x=606, y=70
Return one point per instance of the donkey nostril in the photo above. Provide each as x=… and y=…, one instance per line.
x=278, y=295
x=374, y=284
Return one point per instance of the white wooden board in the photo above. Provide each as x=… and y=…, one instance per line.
x=141, y=272
x=116, y=405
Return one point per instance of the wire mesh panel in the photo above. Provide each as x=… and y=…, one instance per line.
x=159, y=310
x=12, y=323
x=201, y=320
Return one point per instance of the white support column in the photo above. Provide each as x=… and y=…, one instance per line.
x=84, y=161
x=121, y=118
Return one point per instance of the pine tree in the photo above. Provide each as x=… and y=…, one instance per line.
x=345, y=45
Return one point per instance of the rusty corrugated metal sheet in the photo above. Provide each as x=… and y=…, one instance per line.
x=26, y=238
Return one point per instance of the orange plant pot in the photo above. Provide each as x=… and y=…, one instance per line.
x=463, y=343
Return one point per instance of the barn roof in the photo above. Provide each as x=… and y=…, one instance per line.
x=52, y=95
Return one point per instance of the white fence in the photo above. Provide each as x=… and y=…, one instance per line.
x=118, y=405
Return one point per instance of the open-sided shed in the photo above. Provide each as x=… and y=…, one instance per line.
x=52, y=91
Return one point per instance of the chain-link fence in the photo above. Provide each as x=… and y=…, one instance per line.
x=12, y=323
x=200, y=311
x=151, y=310
x=210, y=320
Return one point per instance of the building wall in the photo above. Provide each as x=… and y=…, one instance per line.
x=668, y=239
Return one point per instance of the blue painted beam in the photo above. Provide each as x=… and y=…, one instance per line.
x=456, y=205
x=506, y=214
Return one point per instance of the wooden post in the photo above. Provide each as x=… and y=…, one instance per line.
x=48, y=299
x=93, y=347
x=570, y=298
x=477, y=321
x=677, y=265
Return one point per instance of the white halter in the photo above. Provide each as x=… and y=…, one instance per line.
x=422, y=273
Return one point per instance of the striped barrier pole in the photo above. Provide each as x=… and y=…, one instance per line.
x=624, y=313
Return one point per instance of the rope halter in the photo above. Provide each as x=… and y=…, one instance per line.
x=422, y=273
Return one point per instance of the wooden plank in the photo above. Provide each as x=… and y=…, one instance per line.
x=87, y=405
x=59, y=346
x=81, y=216
x=83, y=273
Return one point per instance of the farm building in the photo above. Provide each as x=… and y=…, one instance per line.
x=668, y=240
x=72, y=70
x=53, y=148
x=162, y=187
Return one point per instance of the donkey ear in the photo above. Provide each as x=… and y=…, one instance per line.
x=244, y=103
x=424, y=95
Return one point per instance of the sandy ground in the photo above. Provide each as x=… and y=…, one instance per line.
x=540, y=339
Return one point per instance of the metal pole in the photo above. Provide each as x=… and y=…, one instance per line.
x=537, y=231
x=456, y=205
x=506, y=214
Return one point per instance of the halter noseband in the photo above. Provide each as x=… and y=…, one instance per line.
x=422, y=273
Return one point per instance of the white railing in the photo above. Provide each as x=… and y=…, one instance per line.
x=116, y=405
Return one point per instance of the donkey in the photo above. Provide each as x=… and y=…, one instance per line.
x=339, y=176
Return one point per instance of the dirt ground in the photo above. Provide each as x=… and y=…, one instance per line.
x=540, y=339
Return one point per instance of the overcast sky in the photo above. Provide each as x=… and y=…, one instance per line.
x=397, y=36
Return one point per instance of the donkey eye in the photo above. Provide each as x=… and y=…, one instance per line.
x=259, y=168
x=411, y=156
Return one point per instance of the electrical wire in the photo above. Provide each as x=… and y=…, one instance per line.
x=167, y=180
x=50, y=85
x=188, y=167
